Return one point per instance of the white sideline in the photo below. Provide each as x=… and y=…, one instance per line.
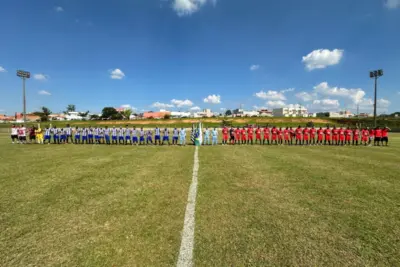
x=187, y=244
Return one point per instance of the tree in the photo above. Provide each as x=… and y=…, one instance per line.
x=94, y=117
x=127, y=113
x=109, y=113
x=228, y=113
x=43, y=114
x=70, y=108
x=83, y=114
x=167, y=116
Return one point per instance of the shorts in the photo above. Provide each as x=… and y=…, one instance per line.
x=342, y=138
x=258, y=137
x=365, y=138
x=250, y=137
x=225, y=137
x=286, y=137
x=97, y=137
x=274, y=137
x=14, y=136
x=232, y=138
x=166, y=138
x=378, y=139
x=243, y=137
x=327, y=138
x=305, y=138
x=385, y=139
x=298, y=137
x=63, y=137
x=142, y=139
x=157, y=137
x=149, y=139
x=77, y=136
x=320, y=137
x=107, y=137
x=114, y=138
x=335, y=138
x=175, y=138
x=22, y=138
x=47, y=137
x=121, y=138
x=56, y=137
x=348, y=138
x=90, y=136
x=84, y=138
x=128, y=137
x=134, y=139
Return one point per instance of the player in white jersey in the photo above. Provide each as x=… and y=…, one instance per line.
x=214, y=134
x=68, y=130
x=47, y=135
x=84, y=136
x=56, y=135
x=134, y=136
x=166, y=136
x=121, y=135
x=96, y=132
x=114, y=133
x=182, y=137
x=22, y=134
x=127, y=135
x=107, y=136
x=14, y=134
x=175, y=136
x=141, y=138
x=90, y=135
x=77, y=136
x=149, y=137
x=207, y=140
x=157, y=136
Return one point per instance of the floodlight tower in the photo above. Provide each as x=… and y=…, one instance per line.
x=24, y=75
x=375, y=74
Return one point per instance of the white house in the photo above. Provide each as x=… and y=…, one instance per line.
x=244, y=113
x=73, y=115
x=291, y=111
x=179, y=114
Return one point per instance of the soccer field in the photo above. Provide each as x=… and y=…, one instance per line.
x=85, y=205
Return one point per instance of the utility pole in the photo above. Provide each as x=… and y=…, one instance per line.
x=24, y=75
x=375, y=74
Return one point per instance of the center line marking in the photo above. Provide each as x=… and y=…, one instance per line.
x=187, y=244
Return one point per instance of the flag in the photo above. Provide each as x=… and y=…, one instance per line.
x=192, y=135
x=200, y=133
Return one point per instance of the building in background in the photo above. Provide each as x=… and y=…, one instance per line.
x=291, y=111
x=244, y=113
x=156, y=115
x=265, y=113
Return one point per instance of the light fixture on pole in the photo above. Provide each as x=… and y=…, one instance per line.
x=375, y=74
x=24, y=75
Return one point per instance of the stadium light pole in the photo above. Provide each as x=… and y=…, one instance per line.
x=375, y=74
x=24, y=75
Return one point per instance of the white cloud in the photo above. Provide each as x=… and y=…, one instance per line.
x=116, y=74
x=254, y=67
x=212, y=99
x=287, y=90
x=195, y=108
x=392, y=4
x=276, y=104
x=322, y=58
x=127, y=106
x=270, y=95
x=40, y=77
x=324, y=104
x=304, y=96
x=367, y=104
x=222, y=109
x=2, y=69
x=43, y=92
x=59, y=9
x=188, y=7
x=259, y=108
x=161, y=105
x=182, y=103
x=355, y=95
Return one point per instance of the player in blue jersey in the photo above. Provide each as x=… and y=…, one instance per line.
x=56, y=135
x=182, y=137
x=149, y=137
x=127, y=135
x=207, y=140
x=141, y=138
x=157, y=136
x=175, y=136
x=84, y=132
x=77, y=137
x=134, y=136
x=47, y=135
x=214, y=134
x=90, y=135
x=166, y=136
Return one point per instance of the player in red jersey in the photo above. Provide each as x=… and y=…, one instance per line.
x=258, y=135
x=237, y=136
x=371, y=136
x=347, y=133
x=250, y=136
x=312, y=135
x=292, y=135
x=335, y=135
x=274, y=134
x=286, y=136
x=243, y=134
x=328, y=134
x=341, y=136
x=378, y=136
x=224, y=135
x=385, y=135
x=356, y=136
x=365, y=136
x=298, y=133
x=306, y=136
x=266, y=135
x=320, y=136
x=280, y=136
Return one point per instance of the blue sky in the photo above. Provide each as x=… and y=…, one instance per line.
x=189, y=54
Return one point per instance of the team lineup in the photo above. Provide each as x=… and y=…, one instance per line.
x=234, y=136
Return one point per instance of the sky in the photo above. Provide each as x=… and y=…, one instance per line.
x=197, y=54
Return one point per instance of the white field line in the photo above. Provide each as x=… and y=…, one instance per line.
x=187, y=244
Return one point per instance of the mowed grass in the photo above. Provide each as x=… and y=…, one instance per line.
x=299, y=206
x=71, y=205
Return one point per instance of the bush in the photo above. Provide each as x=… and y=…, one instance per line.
x=310, y=124
x=167, y=116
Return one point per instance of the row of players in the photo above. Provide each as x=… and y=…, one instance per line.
x=245, y=135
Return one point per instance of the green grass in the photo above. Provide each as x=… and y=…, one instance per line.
x=88, y=205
